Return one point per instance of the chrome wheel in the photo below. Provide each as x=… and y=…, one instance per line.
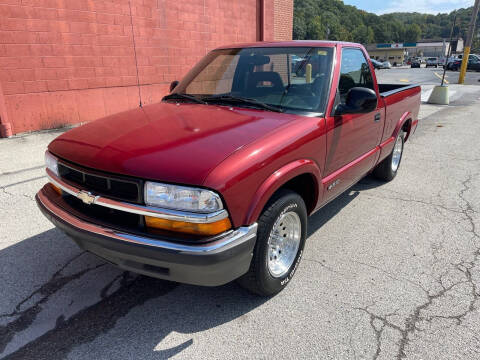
x=283, y=243
x=397, y=153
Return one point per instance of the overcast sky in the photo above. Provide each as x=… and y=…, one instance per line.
x=422, y=6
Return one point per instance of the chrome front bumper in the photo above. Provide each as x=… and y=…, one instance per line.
x=167, y=214
x=210, y=264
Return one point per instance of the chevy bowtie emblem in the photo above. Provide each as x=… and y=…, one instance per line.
x=86, y=197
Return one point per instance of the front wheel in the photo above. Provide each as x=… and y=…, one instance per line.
x=282, y=230
x=388, y=168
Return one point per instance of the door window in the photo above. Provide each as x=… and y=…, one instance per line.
x=354, y=72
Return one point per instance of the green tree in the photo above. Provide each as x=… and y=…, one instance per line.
x=317, y=29
x=412, y=33
x=299, y=26
x=326, y=26
x=319, y=19
x=382, y=33
x=344, y=34
x=363, y=34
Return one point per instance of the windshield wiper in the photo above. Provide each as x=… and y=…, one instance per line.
x=246, y=101
x=177, y=96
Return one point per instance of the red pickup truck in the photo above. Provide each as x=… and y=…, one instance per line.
x=215, y=182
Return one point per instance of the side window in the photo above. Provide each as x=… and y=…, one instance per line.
x=354, y=72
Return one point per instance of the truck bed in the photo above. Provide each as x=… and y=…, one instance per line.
x=390, y=89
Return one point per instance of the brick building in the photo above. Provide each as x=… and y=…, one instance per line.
x=73, y=61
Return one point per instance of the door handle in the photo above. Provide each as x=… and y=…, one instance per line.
x=377, y=117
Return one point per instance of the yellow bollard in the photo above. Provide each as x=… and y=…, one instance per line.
x=308, y=74
x=463, y=68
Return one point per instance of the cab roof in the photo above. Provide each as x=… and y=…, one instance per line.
x=290, y=43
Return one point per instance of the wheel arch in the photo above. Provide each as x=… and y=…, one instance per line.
x=405, y=124
x=302, y=176
x=407, y=128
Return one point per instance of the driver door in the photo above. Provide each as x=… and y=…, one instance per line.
x=352, y=139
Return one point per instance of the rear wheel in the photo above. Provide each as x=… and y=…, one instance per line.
x=388, y=168
x=280, y=241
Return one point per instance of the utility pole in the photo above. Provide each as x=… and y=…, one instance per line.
x=449, y=52
x=468, y=43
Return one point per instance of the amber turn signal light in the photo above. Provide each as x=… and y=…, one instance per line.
x=56, y=188
x=210, y=229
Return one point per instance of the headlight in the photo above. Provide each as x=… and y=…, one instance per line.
x=51, y=163
x=181, y=198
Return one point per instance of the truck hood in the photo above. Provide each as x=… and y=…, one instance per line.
x=179, y=143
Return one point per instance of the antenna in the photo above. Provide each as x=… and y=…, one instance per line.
x=135, y=54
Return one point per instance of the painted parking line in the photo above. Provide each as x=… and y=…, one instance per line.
x=404, y=80
x=440, y=76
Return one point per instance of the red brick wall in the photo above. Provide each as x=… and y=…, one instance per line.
x=283, y=19
x=72, y=61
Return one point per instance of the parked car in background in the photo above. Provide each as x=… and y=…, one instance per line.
x=215, y=183
x=453, y=63
x=441, y=61
x=294, y=61
x=381, y=64
x=377, y=64
x=415, y=63
x=473, y=64
x=432, y=61
x=470, y=56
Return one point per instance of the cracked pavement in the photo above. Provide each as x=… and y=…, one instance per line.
x=390, y=271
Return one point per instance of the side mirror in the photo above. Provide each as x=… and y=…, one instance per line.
x=173, y=85
x=359, y=100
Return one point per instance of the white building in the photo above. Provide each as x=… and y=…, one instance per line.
x=399, y=52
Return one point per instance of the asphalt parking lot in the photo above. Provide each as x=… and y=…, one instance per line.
x=390, y=271
x=424, y=76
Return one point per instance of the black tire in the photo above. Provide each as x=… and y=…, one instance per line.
x=259, y=279
x=385, y=171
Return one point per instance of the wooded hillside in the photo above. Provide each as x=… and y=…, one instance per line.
x=332, y=19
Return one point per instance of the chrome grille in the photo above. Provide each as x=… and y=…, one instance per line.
x=110, y=186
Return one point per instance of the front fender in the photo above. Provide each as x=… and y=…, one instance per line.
x=276, y=180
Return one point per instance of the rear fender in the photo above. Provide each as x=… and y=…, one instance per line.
x=405, y=117
x=277, y=180
x=387, y=146
x=388, y=143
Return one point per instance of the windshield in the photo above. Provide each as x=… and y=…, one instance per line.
x=293, y=79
